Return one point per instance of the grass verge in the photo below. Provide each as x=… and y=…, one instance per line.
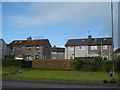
x=9, y=69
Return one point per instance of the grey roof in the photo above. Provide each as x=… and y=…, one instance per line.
x=117, y=50
x=89, y=42
x=29, y=42
x=58, y=49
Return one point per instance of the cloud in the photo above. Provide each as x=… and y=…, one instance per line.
x=38, y=14
x=55, y=13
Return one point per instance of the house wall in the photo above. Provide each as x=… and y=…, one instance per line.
x=33, y=52
x=47, y=51
x=23, y=51
x=75, y=52
x=101, y=52
x=41, y=52
x=3, y=49
x=69, y=54
x=58, y=55
x=81, y=53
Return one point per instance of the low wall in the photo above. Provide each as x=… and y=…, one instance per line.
x=53, y=64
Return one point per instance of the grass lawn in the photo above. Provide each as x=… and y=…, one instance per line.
x=79, y=76
x=9, y=69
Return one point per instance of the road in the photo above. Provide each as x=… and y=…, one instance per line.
x=7, y=83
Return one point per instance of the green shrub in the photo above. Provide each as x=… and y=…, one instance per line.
x=97, y=64
x=118, y=65
x=16, y=63
x=7, y=62
x=78, y=64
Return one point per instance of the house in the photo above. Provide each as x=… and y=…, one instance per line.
x=117, y=52
x=3, y=49
x=30, y=49
x=89, y=47
x=58, y=53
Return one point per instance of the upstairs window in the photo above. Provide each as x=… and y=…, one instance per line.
x=105, y=47
x=18, y=48
x=54, y=52
x=46, y=48
x=28, y=47
x=37, y=47
x=93, y=47
x=82, y=48
x=60, y=53
x=71, y=48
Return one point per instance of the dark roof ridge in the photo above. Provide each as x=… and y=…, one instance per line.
x=92, y=38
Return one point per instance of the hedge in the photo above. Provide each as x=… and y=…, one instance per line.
x=96, y=64
x=16, y=63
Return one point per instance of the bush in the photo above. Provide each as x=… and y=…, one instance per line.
x=78, y=64
x=106, y=65
x=97, y=64
x=118, y=65
x=16, y=63
x=7, y=62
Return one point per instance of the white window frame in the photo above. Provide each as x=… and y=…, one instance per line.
x=54, y=52
x=93, y=47
x=18, y=48
x=60, y=53
x=105, y=47
x=28, y=47
x=37, y=57
x=18, y=57
x=37, y=47
x=71, y=48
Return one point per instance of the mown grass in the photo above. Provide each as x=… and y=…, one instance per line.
x=9, y=69
x=77, y=76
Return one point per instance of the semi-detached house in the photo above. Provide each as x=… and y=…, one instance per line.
x=30, y=49
x=3, y=49
x=89, y=47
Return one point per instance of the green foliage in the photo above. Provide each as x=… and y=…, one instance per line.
x=118, y=65
x=16, y=63
x=78, y=64
x=97, y=64
x=106, y=65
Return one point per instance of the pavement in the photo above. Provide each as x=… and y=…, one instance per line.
x=8, y=83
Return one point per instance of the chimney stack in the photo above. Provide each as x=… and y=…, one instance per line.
x=90, y=37
x=29, y=38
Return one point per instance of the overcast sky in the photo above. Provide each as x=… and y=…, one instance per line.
x=58, y=22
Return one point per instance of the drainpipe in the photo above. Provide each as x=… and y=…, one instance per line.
x=74, y=52
x=67, y=53
x=101, y=49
